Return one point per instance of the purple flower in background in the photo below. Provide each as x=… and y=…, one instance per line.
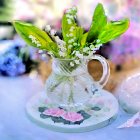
x=11, y=65
x=125, y=48
x=16, y=58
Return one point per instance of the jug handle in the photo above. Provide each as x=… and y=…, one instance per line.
x=106, y=69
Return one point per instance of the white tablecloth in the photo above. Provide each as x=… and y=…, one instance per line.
x=15, y=125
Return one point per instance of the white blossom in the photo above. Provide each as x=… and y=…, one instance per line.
x=85, y=49
x=71, y=29
x=50, y=53
x=79, y=55
x=34, y=40
x=73, y=52
x=69, y=21
x=98, y=45
x=57, y=38
x=63, y=49
x=67, y=35
x=31, y=36
x=75, y=44
x=64, y=43
x=98, y=40
x=71, y=40
x=77, y=62
x=74, y=38
x=68, y=11
x=70, y=16
x=47, y=28
x=92, y=47
x=52, y=32
x=38, y=45
x=74, y=8
x=67, y=15
x=60, y=42
x=44, y=55
x=71, y=64
x=69, y=46
x=40, y=51
x=62, y=53
x=93, y=51
x=90, y=53
x=70, y=34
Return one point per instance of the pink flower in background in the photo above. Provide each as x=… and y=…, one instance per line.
x=137, y=121
x=132, y=122
x=55, y=112
x=72, y=116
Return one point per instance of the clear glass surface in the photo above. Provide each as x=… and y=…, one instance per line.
x=71, y=86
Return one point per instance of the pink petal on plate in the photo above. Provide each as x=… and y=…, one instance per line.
x=132, y=122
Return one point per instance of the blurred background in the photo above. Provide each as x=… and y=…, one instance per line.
x=17, y=59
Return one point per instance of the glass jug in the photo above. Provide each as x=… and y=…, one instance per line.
x=70, y=86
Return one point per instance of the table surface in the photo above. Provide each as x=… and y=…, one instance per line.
x=15, y=125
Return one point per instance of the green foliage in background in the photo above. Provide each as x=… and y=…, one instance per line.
x=6, y=9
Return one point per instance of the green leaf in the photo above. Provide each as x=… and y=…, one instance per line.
x=96, y=108
x=99, y=21
x=79, y=33
x=57, y=119
x=84, y=114
x=42, y=109
x=54, y=49
x=25, y=30
x=72, y=29
x=83, y=39
x=43, y=116
x=113, y=30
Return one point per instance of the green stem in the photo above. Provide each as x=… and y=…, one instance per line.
x=70, y=99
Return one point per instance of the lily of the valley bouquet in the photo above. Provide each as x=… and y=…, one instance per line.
x=75, y=44
x=70, y=88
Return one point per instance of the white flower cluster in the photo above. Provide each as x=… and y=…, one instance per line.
x=72, y=40
x=48, y=29
x=34, y=40
x=50, y=53
x=72, y=64
x=92, y=48
x=71, y=13
x=72, y=10
x=78, y=54
x=42, y=53
x=98, y=45
x=62, y=46
x=87, y=51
